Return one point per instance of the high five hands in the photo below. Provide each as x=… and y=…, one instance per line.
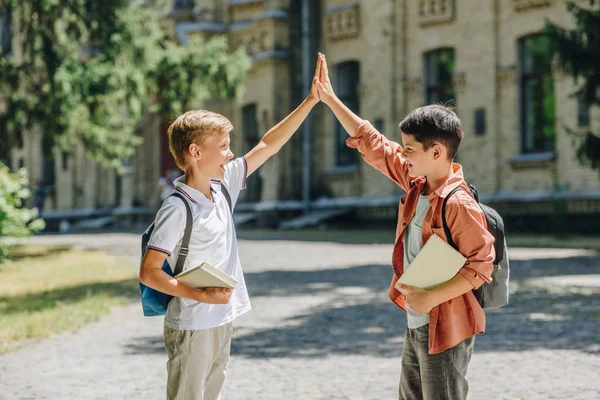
x=321, y=89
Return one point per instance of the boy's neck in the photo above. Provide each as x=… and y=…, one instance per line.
x=437, y=179
x=195, y=179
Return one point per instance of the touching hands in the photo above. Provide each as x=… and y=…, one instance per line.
x=313, y=96
x=322, y=82
x=419, y=300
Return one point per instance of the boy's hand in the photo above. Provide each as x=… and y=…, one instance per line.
x=419, y=300
x=215, y=295
x=313, y=96
x=323, y=84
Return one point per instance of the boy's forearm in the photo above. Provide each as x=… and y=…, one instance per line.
x=457, y=286
x=347, y=118
x=161, y=281
x=279, y=135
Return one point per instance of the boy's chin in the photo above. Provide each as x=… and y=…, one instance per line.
x=220, y=175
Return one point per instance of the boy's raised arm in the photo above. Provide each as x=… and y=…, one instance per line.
x=347, y=118
x=277, y=136
x=381, y=153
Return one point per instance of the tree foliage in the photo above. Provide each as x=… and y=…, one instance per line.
x=14, y=219
x=578, y=54
x=86, y=71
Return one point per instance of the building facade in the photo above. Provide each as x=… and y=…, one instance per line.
x=386, y=58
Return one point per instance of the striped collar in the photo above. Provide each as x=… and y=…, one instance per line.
x=193, y=195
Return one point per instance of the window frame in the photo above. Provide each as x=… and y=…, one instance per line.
x=440, y=88
x=539, y=144
x=347, y=92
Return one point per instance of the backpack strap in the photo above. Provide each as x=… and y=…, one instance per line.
x=446, y=228
x=227, y=197
x=189, y=222
x=185, y=242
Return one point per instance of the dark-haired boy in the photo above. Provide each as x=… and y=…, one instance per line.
x=441, y=323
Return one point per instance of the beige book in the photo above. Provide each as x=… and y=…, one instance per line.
x=436, y=264
x=205, y=275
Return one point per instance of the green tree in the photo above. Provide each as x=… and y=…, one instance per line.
x=86, y=71
x=14, y=219
x=578, y=53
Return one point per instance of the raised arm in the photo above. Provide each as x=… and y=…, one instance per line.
x=381, y=153
x=277, y=136
x=347, y=118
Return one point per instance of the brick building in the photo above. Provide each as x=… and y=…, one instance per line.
x=386, y=58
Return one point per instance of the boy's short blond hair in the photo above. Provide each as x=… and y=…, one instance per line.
x=194, y=127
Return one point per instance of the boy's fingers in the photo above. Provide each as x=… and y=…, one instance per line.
x=318, y=67
x=405, y=288
x=324, y=68
x=319, y=85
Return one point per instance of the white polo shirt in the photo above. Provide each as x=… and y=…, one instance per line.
x=213, y=240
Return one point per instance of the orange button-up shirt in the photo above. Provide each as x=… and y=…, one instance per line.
x=459, y=318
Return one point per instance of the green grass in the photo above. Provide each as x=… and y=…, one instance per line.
x=45, y=291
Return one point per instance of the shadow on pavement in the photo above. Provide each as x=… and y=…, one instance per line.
x=145, y=345
x=538, y=317
x=349, y=236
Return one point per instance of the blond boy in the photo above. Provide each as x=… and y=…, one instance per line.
x=198, y=323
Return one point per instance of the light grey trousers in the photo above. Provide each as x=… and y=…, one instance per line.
x=197, y=362
x=439, y=376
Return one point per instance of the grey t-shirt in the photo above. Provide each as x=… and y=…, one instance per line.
x=413, y=242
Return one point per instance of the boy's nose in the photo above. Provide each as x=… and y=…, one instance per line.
x=230, y=156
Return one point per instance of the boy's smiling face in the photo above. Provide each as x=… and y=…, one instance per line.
x=420, y=161
x=215, y=154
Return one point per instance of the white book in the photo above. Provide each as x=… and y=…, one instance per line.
x=206, y=275
x=436, y=264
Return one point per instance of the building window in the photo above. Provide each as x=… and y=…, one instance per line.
x=179, y=4
x=65, y=160
x=537, y=95
x=251, y=139
x=5, y=31
x=47, y=152
x=439, y=70
x=583, y=114
x=378, y=124
x=249, y=127
x=346, y=82
x=479, y=121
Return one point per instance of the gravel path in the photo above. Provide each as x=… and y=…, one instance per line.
x=323, y=328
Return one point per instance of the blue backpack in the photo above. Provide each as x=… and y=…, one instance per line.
x=155, y=303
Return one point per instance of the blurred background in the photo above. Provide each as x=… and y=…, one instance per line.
x=89, y=88
x=88, y=91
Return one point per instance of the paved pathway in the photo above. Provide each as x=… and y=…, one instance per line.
x=322, y=328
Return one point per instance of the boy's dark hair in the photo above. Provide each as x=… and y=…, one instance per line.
x=434, y=123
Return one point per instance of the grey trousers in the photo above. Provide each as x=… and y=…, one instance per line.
x=197, y=362
x=439, y=376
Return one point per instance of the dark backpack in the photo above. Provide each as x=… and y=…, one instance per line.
x=155, y=303
x=495, y=293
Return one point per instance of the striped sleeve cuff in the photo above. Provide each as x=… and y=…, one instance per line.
x=167, y=252
x=245, y=173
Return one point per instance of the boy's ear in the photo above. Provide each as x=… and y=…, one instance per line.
x=194, y=151
x=438, y=150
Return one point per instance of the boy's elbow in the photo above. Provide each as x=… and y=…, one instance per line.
x=145, y=274
x=272, y=148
